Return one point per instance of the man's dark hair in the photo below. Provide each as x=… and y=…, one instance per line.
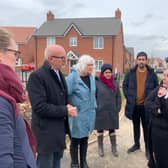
x=142, y=53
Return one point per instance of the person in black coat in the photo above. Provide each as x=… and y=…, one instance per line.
x=47, y=91
x=137, y=85
x=157, y=102
x=108, y=107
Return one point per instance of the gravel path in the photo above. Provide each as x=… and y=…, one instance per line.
x=124, y=140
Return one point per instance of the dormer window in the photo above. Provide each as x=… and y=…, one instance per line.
x=73, y=41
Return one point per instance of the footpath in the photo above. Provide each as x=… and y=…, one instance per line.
x=124, y=141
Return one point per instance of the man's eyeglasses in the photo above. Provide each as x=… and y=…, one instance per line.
x=16, y=52
x=59, y=57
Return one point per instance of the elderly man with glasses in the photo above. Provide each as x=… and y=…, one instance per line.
x=47, y=91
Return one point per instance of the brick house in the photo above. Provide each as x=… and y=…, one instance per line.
x=157, y=63
x=102, y=38
x=25, y=42
x=128, y=58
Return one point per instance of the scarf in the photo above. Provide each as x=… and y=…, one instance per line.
x=11, y=89
x=108, y=82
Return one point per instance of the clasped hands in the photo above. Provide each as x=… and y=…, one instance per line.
x=72, y=111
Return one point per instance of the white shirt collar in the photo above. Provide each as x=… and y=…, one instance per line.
x=166, y=96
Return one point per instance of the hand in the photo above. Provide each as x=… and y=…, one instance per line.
x=159, y=111
x=161, y=92
x=72, y=111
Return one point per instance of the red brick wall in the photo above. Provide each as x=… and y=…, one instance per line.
x=30, y=50
x=128, y=60
x=22, y=49
x=40, y=47
x=27, y=51
x=85, y=46
x=118, y=58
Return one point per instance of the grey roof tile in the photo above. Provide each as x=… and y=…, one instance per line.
x=85, y=26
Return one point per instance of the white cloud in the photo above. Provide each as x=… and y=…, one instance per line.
x=144, y=22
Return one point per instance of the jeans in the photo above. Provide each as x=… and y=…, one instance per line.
x=51, y=160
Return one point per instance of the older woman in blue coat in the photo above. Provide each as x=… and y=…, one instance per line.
x=81, y=91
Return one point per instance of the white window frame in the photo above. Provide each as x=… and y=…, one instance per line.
x=98, y=64
x=98, y=42
x=73, y=41
x=17, y=46
x=50, y=40
x=71, y=63
x=19, y=60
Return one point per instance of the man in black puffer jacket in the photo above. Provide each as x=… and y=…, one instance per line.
x=137, y=85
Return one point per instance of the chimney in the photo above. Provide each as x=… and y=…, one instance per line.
x=118, y=14
x=50, y=16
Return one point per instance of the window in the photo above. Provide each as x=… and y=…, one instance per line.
x=73, y=58
x=99, y=63
x=17, y=46
x=98, y=42
x=72, y=62
x=73, y=41
x=51, y=40
x=19, y=62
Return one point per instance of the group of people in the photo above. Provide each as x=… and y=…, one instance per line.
x=75, y=106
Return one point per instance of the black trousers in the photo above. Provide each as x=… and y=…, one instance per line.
x=139, y=117
x=79, y=145
x=159, y=139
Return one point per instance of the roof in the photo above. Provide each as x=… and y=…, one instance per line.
x=85, y=26
x=20, y=34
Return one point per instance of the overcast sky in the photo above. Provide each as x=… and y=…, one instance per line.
x=145, y=22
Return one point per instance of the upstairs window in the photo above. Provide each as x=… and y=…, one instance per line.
x=98, y=42
x=73, y=41
x=98, y=63
x=51, y=40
